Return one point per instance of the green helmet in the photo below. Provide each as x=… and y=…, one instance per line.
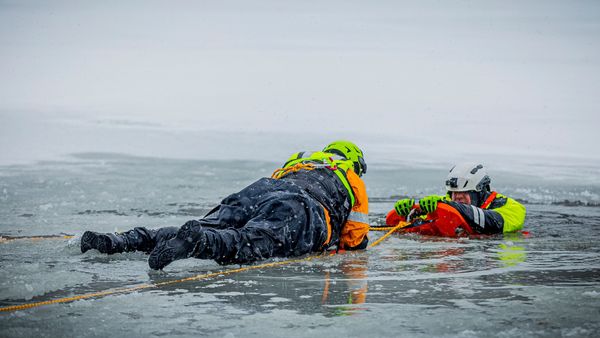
x=349, y=151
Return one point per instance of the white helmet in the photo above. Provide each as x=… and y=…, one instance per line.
x=468, y=177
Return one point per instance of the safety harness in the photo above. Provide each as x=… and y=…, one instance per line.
x=489, y=200
x=300, y=161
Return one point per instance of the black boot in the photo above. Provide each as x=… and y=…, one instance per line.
x=105, y=243
x=190, y=239
x=141, y=239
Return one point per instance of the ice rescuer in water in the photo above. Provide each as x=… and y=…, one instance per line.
x=469, y=192
x=316, y=201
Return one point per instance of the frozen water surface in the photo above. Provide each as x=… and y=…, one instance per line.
x=417, y=84
x=544, y=284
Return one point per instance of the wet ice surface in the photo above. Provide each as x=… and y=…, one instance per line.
x=544, y=284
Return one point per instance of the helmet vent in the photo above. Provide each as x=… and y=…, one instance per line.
x=474, y=170
x=337, y=152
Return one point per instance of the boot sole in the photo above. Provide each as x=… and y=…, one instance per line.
x=167, y=252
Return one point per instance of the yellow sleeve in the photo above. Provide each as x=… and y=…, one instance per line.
x=513, y=214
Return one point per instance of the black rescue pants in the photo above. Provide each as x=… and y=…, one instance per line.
x=269, y=218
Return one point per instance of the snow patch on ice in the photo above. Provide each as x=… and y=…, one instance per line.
x=230, y=293
x=592, y=294
x=278, y=300
x=28, y=280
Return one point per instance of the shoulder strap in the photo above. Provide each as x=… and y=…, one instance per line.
x=312, y=160
x=489, y=200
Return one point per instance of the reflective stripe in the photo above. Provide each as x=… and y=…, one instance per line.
x=481, y=217
x=475, y=215
x=328, y=222
x=478, y=216
x=346, y=184
x=358, y=217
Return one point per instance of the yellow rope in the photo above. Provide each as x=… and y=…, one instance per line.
x=34, y=238
x=39, y=238
x=153, y=285
x=279, y=173
x=393, y=229
x=381, y=228
x=188, y=279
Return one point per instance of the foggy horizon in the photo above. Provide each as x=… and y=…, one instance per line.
x=461, y=77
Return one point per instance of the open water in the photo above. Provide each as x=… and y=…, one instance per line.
x=542, y=283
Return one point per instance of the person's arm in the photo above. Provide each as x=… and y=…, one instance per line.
x=511, y=211
x=355, y=230
x=481, y=220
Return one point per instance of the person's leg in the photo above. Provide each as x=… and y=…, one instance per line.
x=137, y=239
x=235, y=210
x=287, y=224
x=284, y=224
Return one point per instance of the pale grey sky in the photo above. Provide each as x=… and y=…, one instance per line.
x=520, y=76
